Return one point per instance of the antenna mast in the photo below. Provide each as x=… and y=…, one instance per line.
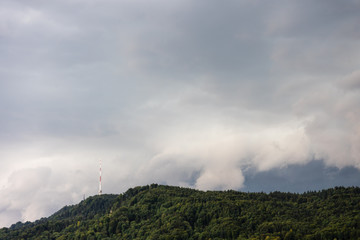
x=100, y=190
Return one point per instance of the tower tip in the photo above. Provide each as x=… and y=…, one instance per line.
x=100, y=188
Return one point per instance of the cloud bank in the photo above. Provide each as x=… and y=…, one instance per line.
x=207, y=95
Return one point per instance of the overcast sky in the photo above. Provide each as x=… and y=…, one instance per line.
x=248, y=95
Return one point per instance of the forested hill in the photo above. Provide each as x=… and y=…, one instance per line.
x=164, y=212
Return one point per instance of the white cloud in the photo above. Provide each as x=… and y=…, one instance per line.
x=333, y=126
x=21, y=191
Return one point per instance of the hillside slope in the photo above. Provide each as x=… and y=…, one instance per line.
x=164, y=212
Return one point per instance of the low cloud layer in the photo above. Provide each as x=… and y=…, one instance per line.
x=210, y=95
x=313, y=176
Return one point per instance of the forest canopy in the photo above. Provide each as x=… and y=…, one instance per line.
x=166, y=212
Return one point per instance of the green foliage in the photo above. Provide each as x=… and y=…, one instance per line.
x=164, y=212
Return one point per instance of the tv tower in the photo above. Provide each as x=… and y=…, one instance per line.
x=100, y=190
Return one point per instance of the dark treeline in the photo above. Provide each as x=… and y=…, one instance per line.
x=164, y=212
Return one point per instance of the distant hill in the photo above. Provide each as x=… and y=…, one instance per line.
x=165, y=212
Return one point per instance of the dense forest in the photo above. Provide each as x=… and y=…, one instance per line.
x=165, y=212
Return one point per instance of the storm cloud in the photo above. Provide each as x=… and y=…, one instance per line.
x=210, y=95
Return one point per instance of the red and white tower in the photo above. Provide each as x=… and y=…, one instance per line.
x=100, y=190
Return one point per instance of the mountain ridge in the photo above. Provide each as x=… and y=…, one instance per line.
x=170, y=212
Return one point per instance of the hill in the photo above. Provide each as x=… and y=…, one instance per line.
x=165, y=212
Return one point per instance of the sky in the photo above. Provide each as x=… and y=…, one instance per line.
x=248, y=95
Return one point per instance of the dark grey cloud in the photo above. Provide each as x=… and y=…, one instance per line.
x=184, y=93
x=318, y=19
x=313, y=176
x=351, y=81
